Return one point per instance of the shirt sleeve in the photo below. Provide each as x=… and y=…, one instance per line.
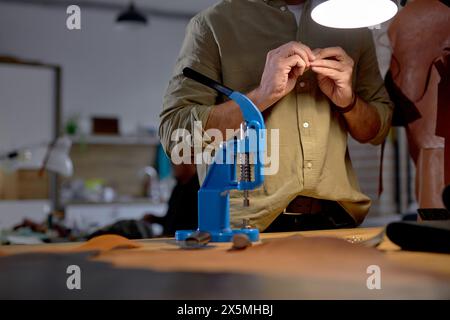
x=370, y=86
x=186, y=101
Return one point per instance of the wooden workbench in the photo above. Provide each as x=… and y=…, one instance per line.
x=321, y=265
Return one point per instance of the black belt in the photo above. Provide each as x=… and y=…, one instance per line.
x=307, y=205
x=305, y=213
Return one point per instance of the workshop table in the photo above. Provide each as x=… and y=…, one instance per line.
x=322, y=267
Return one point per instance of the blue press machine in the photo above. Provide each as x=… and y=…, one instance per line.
x=213, y=196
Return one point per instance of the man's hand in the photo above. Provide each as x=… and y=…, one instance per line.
x=283, y=67
x=334, y=70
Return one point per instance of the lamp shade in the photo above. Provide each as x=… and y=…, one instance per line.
x=132, y=16
x=58, y=159
x=349, y=14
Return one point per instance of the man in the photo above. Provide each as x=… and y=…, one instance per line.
x=314, y=84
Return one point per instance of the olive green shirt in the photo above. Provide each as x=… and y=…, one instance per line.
x=229, y=43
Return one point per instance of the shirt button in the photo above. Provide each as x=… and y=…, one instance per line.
x=305, y=125
x=283, y=8
x=309, y=165
x=302, y=84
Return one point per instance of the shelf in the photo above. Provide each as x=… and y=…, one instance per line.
x=131, y=201
x=116, y=140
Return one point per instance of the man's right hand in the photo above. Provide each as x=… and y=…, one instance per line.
x=283, y=67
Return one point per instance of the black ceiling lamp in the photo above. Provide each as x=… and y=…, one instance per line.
x=132, y=16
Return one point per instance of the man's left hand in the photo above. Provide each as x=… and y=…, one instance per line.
x=334, y=70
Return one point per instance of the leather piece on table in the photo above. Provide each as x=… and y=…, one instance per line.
x=307, y=268
x=96, y=245
x=107, y=243
x=295, y=257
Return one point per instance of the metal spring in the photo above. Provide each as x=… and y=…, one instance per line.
x=245, y=169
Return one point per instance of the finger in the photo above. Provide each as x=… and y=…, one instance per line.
x=308, y=50
x=293, y=47
x=293, y=61
x=327, y=72
x=296, y=72
x=331, y=64
x=299, y=71
x=332, y=52
x=304, y=57
x=296, y=64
